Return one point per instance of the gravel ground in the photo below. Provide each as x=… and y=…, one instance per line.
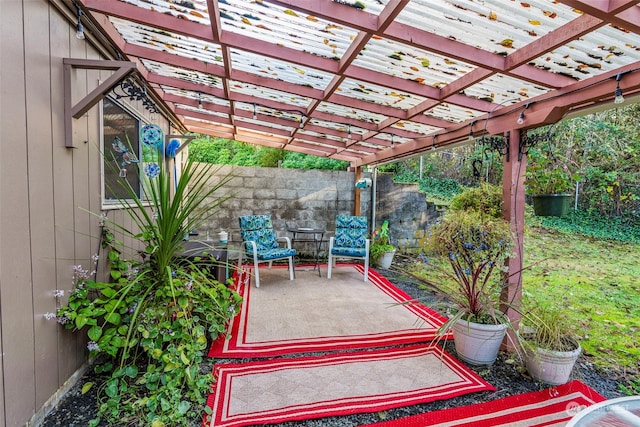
x=506, y=375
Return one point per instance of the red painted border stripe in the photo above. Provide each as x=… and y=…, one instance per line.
x=225, y=373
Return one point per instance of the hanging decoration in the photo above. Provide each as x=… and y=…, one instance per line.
x=124, y=157
x=151, y=134
x=129, y=88
x=172, y=148
x=152, y=170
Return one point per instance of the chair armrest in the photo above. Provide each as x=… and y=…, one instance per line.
x=253, y=249
x=284, y=239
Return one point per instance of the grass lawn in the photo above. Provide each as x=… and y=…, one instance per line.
x=598, y=281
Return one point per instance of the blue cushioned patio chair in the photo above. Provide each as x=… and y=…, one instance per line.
x=260, y=243
x=350, y=241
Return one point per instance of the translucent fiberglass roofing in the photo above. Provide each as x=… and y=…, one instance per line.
x=359, y=80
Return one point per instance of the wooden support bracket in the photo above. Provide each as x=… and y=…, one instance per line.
x=121, y=70
x=186, y=138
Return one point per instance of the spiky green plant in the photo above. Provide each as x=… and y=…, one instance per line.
x=152, y=321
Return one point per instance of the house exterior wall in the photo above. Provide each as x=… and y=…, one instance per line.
x=47, y=196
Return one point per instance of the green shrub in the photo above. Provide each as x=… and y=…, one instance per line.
x=486, y=199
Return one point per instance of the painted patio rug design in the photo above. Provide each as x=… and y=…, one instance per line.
x=313, y=313
x=551, y=407
x=285, y=389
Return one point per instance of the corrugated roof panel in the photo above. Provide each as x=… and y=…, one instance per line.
x=497, y=26
x=406, y=62
x=269, y=22
x=504, y=90
x=351, y=113
x=262, y=110
x=195, y=96
x=370, y=6
x=378, y=94
x=340, y=127
x=261, y=92
x=315, y=134
x=153, y=38
x=392, y=137
x=453, y=113
x=180, y=73
x=192, y=10
x=593, y=54
x=203, y=111
x=280, y=70
x=415, y=127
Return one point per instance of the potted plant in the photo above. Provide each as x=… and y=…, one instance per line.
x=381, y=250
x=549, y=181
x=476, y=243
x=550, y=344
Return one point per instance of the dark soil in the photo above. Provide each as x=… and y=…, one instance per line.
x=506, y=375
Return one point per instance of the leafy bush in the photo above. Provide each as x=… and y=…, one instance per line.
x=486, y=199
x=305, y=161
x=476, y=246
x=227, y=152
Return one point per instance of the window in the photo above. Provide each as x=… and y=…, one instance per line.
x=121, y=151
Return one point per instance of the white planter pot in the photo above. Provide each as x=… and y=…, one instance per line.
x=549, y=366
x=476, y=343
x=385, y=260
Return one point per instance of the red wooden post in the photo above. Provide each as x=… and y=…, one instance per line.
x=513, y=211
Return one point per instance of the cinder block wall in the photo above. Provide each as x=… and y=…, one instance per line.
x=313, y=198
x=407, y=211
x=306, y=198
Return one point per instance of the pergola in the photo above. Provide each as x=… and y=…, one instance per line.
x=372, y=81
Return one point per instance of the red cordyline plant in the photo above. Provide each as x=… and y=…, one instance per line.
x=476, y=245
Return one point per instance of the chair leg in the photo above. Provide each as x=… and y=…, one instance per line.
x=257, y=272
x=291, y=271
x=329, y=264
x=366, y=270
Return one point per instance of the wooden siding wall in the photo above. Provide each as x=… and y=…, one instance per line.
x=46, y=194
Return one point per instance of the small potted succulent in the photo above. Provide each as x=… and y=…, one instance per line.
x=381, y=250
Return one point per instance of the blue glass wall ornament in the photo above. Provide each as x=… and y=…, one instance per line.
x=151, y=134
x=152, y=170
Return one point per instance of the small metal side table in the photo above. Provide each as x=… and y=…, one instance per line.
x=209, y=255
x=315, y=235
